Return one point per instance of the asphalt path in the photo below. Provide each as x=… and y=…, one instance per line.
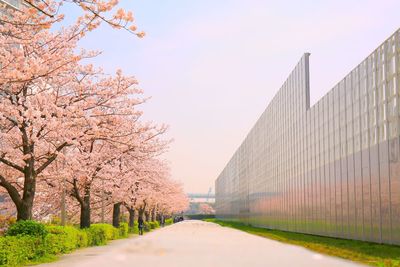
x=197, y=243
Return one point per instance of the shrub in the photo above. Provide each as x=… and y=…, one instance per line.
x=31, y=241
x=116, y=233
x=16, y=250
x=55, y=220
x=83, y=240
x=96, y=236
x=64, y=239
x=107, y=228
x=5, y=222
x=23, y=248
x=30, y=228
x=57, y=245
x=123, y=230
x=154, y=225
x=168, y=221
x=146, y=227
x=151, y=225
x=99, y=234
x=134, y=229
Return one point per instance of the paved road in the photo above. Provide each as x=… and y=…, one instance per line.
x=196, y=243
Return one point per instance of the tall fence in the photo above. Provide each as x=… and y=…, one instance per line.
x=332, y=169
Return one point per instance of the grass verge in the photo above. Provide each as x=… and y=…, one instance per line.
x=359, y=251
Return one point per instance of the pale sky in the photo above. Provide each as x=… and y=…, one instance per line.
x=212, y=67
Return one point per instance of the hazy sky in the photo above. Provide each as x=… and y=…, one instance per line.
x=212, y=67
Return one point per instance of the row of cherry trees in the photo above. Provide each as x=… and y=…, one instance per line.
x=69, y=131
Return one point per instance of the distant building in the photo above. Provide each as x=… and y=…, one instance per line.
x=11, y=3
x=4, y=4
x=332, y=169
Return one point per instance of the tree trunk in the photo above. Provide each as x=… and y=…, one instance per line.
x=147, y=216
x=23, y=205
x=116, y=214
x=153, y=214
x=85, y=212
x=141, y=212
x=24, y=210
x=131, y=217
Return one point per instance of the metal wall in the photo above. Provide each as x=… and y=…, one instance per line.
x=332, y=169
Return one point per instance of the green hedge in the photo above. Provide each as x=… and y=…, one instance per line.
x=27, y=227
x=29, y=241
x=154, y=225
x=169, y=221
x=21, y=248
x=123, y=230
x=64, y=239
x=18, y=250
x=134, y=229
x=99, y=234
x=147, y=227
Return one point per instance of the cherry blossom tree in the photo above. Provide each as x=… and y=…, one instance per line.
x=157, y=193
x=69, y=129
x=49, y=101
x=205, y=208
x=46, y=13
x=40, y=112
x=103, y=162
x=138, y=187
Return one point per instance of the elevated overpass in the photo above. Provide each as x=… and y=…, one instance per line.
x=202, y=197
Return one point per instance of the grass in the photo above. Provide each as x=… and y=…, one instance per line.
x=359, y=251
x=43, y=259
